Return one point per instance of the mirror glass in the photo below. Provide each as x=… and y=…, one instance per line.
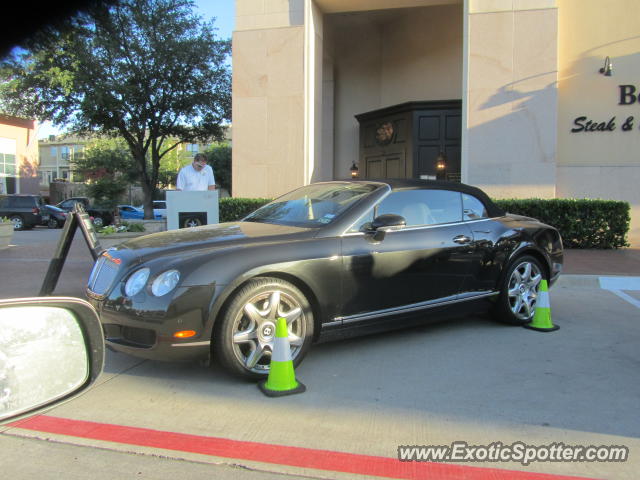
x=43, y=357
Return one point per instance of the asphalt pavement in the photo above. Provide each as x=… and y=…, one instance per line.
x=469, y=379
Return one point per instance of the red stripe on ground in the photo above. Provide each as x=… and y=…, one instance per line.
x=276, y=454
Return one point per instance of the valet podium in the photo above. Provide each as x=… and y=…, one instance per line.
x=191, y=209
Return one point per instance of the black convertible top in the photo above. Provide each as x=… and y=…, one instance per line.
x=409, y=183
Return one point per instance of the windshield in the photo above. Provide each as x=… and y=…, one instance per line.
x=311, y=206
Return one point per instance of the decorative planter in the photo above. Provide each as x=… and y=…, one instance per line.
x=151, y=226
x=112, y=239
x=6, y=234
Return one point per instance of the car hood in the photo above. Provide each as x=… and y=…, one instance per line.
x=210, y=237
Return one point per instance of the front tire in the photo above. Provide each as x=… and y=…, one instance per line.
x=519, y=293
x=52, y=223
x=244, y=334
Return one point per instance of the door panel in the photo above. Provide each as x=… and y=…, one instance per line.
x=408, y=266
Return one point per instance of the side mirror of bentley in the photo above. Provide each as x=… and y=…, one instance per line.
x=383, y=222
x=51, y=350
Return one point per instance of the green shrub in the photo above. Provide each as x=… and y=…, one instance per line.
x=583, y=223
x=122, y=228
x=233, y=209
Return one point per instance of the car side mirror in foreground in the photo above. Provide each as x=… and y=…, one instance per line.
x=51, y=350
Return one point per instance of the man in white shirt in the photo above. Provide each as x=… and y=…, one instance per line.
x=196, y=177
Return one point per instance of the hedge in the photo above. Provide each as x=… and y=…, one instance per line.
x=583, y=223
x=233, y=209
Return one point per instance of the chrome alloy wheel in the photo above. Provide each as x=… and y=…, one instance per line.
x=524, y=284
x=254, y=328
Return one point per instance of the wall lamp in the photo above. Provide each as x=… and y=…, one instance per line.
x=354, y=170
x=607, y=68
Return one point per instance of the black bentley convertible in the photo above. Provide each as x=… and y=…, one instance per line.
x=334, y=259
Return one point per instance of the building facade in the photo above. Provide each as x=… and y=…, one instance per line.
x=523, y=98
x=18, y=155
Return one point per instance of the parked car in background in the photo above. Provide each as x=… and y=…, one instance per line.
x=57, y=217
x=129, y=212
x=101, y=216
x=159, y=209
x=333, y=258
x=24, y=211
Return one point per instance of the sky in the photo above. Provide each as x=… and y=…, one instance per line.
x=225, y=15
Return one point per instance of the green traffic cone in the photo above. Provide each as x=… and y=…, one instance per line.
x=542, y=315
x=282, y=379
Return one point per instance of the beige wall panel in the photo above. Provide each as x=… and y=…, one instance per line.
x=285, y=62
x=261, y=14
x=589, y=31
x=250, y=64
x=338, y=6
x=620, y=183
x=489, y=6
x=268, y=113
x=422, y=56
x=357, y=59
x=511, y=103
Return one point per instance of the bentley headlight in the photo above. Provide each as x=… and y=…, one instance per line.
x=165, y=282
x=136, y=282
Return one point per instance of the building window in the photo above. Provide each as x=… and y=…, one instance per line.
x=64, y=153
x=8, y=164
x=53, y=151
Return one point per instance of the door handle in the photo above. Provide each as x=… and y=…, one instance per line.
x=462, y=239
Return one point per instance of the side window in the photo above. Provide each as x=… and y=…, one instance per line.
x=418, y=207
x=23, y=202
x=4, y=202
x=424, y=207
x=473, y=209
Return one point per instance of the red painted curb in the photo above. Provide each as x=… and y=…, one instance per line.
x=275, y=454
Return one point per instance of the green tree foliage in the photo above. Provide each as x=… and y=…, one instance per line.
x=109, y=168
x=219, y=157
x=146, y=70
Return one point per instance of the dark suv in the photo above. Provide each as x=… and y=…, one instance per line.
x=25, y=211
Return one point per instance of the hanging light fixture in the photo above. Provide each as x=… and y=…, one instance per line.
x=607, y=68
x=354, y=170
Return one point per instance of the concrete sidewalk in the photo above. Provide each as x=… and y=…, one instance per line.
x=625, y=261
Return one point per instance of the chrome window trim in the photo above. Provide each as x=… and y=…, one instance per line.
x=414, y=307
x=422, y=227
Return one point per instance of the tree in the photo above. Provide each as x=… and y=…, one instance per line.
x=146, y=70
x=219, y=157
x=108, y=166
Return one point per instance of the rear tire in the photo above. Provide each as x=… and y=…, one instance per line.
x=519, y=291
x=244, y=333
x=98, y=222
x=52, y=223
